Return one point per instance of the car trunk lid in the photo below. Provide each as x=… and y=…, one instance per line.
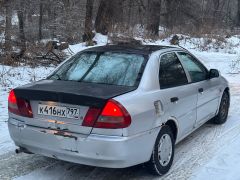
x=58, y=96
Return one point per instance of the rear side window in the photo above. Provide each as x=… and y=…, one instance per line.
x=104, y=68
x=195, y=69
x=171, y=72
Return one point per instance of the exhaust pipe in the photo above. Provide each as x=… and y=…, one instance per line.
x=18, y=151
x=22, y=150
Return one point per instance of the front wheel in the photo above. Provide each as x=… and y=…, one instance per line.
x=163, y=152
x=222, y=115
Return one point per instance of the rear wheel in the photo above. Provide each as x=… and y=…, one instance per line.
x=163, y=152
x=222, y=115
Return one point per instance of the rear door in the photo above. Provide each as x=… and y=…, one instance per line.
x=181, y=99
x=207, y=90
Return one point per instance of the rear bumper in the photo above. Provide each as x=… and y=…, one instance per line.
x=93, y=149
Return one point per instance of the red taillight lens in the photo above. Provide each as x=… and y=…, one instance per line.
x=113, y=109
x=91, y=117
x=113, y=116
x=12, y=98
x=19, y=106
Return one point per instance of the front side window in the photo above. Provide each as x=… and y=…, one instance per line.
x=196, y=70
x=171, y=72
x=102, y=67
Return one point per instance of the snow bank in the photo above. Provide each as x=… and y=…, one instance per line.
x=219, y=44
x=100, y=39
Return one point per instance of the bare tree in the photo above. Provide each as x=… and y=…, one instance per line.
x=20, y=14
x=238, y=13
x=75, y=20
x=169, y=8
x=215, y=14
x=8, y=26
x=88, y=34
x=40, y=20
x=153, y=22
x=109, y=13
x=104, y=17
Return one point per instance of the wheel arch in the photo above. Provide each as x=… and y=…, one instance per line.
x=173, y=125
x=227, y=90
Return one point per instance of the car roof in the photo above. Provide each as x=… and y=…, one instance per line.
x=137, y=49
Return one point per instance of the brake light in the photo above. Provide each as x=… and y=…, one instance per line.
x=91, y=117
x=19, y=106
x=113, y=116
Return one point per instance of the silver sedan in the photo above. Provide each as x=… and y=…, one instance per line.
x=118, y=106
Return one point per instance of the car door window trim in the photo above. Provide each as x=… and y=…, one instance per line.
x=202, y=66
x=187, y=75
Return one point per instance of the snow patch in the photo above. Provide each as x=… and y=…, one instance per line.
x=219, y=44
x=15, y=19
x=224, y=165
x=11, y=77
x=100, y=39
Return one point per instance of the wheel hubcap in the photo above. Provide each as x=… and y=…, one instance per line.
x=165, y=150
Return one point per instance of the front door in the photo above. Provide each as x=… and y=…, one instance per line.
x=207, y=90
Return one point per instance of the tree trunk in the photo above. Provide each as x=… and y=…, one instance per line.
x=109, y=13
x=40, y=21
x=215, y=16
x=169, y=18
x=238, y=15
x=88, y=34
x=130, y=8
x=50, y=10
x=67, y=5
x=22, y=38
x=118, y=11
x=154, y=16
x=8, y=26
x=103, y=17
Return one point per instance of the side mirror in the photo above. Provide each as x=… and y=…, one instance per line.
x=213, y=73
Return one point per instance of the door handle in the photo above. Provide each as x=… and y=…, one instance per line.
x=174, y=99
x=200, y=90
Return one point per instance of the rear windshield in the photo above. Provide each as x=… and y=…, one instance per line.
x=111, y=68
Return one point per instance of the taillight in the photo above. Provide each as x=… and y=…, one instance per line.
x=91, y=117
x=113, y=116
x=19, y=106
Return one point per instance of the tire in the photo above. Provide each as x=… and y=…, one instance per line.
x=222, y=115
x=156, y=165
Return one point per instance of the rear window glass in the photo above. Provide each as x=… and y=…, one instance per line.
x=104, y=68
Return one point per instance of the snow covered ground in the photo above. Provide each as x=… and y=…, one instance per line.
x=212, y=152
x=11, y=77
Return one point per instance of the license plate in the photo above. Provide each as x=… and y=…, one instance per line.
x=58, y=111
